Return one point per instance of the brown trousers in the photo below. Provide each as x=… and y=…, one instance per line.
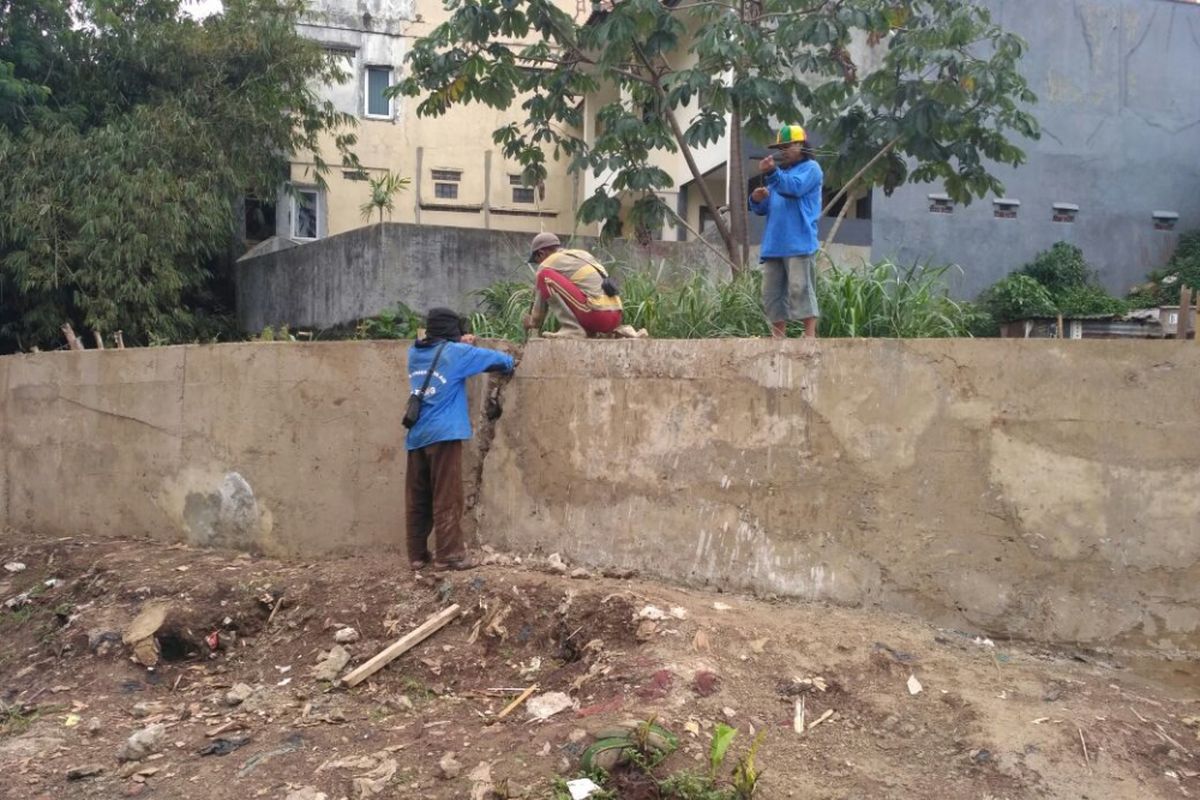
x=433, y=493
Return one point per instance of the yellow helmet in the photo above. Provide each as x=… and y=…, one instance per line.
x=789, y=134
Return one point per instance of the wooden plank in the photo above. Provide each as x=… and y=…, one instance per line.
x=1185, y=312
x=401, y=646
x=513, y=705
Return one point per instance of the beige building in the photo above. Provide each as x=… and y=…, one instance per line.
x=459, y=176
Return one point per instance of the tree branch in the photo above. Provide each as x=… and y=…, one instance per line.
x=688, y=157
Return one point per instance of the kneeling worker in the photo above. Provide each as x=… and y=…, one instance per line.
x=576, y=286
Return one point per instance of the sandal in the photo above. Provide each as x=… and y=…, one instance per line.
x=417, y=566
x=464, y=563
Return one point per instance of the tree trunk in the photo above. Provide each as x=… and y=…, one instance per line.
x=738, y=211
x=837, y=224
x=686, y=151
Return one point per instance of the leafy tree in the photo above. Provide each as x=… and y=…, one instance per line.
x=938, y=104
x=129, y=134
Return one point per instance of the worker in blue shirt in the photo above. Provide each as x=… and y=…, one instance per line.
x=790, y=199
x=433, y=480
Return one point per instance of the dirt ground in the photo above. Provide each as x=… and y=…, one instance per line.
x=990, y=720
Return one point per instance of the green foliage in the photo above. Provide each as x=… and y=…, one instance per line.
x=722, y=738
x=1059, y=269
x=1163, y=285
x=942, y=91
x=502, y=306
x=128, y=135
x=978, y=320
x=1018, y=297
x=746, y=775
x=650, y=744
x=383, y=192
x=879, y=300
x=1088, y=300
x=886, y=300
x=400, y=322
x=1057, y=281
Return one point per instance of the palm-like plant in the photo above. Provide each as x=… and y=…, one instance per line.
x=383, y=192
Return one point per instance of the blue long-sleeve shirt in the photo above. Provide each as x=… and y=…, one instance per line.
x=792, y=209
x=444, y=416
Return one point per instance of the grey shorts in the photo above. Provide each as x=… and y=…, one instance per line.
x=790, y=288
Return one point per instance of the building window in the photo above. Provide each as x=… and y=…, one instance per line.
x=940, y=204
x=305, y=212
x=1064, y=212
x=378, y=79
x=445, y=183
x=1005, y=208
x=520, y=193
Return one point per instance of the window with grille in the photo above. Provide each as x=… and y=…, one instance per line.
x=445, y=183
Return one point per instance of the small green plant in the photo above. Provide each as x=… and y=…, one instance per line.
x=645, y=747
x=417, y=691
x=400, y=322
x=745, y=774
x=16, y=719
x=383, y=195
x=722, y=738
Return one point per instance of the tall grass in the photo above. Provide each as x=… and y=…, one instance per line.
x=886, y=300
x=875, y=300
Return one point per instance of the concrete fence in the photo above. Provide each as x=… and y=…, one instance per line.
x=362, y=272
x=1048, y=490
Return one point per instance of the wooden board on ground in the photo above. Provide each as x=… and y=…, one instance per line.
x=401, y=646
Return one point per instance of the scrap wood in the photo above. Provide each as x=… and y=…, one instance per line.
x=274, y=610
x=798, y=716
x=823, y=718
x=401, y=646
x=511, y=707
x=1087, y=759
x=232, y=725
x=1167, y=738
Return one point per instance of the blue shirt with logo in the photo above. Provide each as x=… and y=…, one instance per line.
x=792, y=209
x=444, y=416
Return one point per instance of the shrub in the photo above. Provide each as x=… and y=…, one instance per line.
x=1183, y=269
x=1059, y=269
x=1018, y=297
x=1088, y=300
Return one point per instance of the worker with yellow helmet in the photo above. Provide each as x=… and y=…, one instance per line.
x=790, y=199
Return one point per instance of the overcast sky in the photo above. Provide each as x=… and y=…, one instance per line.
x=201, y=8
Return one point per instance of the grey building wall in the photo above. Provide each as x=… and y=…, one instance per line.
x=364, y=271
x=1118, y=83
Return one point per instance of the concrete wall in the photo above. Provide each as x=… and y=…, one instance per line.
x=1119, y=105
x=1039, y=489
x=359, y=273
